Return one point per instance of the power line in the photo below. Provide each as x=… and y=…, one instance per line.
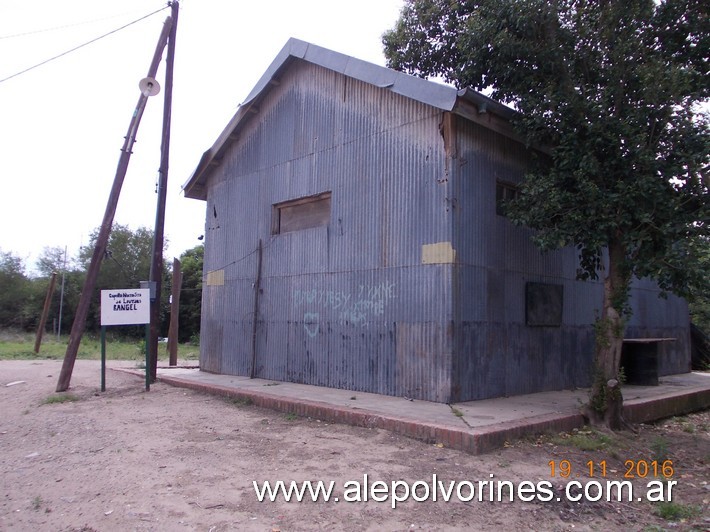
x=57, y=28
x=83, y=45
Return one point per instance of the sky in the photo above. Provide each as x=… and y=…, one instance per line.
x=62, y=124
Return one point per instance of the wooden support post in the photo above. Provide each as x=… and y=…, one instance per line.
x=156, y=265
x=174, y=311
x=45, y=311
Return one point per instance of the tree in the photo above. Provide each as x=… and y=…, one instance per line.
x=612, y=90
x=22, y=295
x=700, y=305
x=125, y=265
x=14, y=290
x=191, y=295
x=52, y=259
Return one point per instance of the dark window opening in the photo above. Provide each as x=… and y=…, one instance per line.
x=543, y=304
x=301, y=213
x=505, y=192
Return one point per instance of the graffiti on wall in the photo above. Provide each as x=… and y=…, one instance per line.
x=356, y=308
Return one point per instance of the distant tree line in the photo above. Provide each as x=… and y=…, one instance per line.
x=126, y=263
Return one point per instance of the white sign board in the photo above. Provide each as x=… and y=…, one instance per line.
x=128, y=306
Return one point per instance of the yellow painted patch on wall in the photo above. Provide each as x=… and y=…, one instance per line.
x=215, y=278
x=439, y=253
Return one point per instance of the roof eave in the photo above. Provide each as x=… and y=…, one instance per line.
x=468, y=103
x=441, y=96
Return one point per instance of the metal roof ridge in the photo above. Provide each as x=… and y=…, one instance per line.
x=444, y=97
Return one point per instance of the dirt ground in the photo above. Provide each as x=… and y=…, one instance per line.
x=173, y=459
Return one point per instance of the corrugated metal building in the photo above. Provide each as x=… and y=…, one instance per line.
x=385, y=266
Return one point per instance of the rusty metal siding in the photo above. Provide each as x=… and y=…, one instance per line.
x=656, y=317
x=348, y=305
x=496, y=352
x=416, y=287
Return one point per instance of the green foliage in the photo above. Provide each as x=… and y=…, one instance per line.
x=671, y=511
x=37, y=503
x=63, y=398
x=14, y=290
x=659, y=448
x=605, y=328
x=191, y=294
x=51, y=260
x=127, y=259
x=700, y=303
x=599, y=401
x=125, y=264
x=610, y=90
x=242, y=402
x=20, y=346
x=585, y=440
x=610, y=97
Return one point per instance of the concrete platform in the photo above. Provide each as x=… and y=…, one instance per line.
x=474, y=427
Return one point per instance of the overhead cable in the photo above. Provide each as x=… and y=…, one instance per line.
x=82, y=45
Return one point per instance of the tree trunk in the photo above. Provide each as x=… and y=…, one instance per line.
x=605, y=407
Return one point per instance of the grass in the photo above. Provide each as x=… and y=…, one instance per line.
x=659, y=448
x=586, y=440
x=242, y=402
x=65, y=398
x=671, y=511
x=37, y=503
x=20, y=346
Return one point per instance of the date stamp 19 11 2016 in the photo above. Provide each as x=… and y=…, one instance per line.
x=631, y=469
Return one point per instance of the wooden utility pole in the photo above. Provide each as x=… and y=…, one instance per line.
x=156, y=264
x=77, y=330
x=174, y=311
x=45, y=311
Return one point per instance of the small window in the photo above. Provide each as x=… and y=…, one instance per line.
x=543, y=304
x=505, y=192
x=302, y=213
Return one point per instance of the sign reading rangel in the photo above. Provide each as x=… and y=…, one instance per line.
x=125, y=307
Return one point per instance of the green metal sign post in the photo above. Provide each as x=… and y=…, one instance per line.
x=103, y=358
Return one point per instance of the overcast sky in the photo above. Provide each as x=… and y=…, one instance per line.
x=62, y=124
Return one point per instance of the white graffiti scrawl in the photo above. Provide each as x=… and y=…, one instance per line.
x=349, y=308
x=311, y=322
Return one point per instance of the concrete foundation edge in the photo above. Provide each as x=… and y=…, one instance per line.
x=476, y=441
x=471, y=440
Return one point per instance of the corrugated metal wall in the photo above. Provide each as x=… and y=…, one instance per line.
x=349, y=305
x=416, y=287
x=496, y=352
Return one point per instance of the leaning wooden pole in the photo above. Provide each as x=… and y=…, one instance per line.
x=156, y=263
x=82, y=311
x=45, y=311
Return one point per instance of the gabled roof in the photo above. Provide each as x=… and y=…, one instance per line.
x=471, y=104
